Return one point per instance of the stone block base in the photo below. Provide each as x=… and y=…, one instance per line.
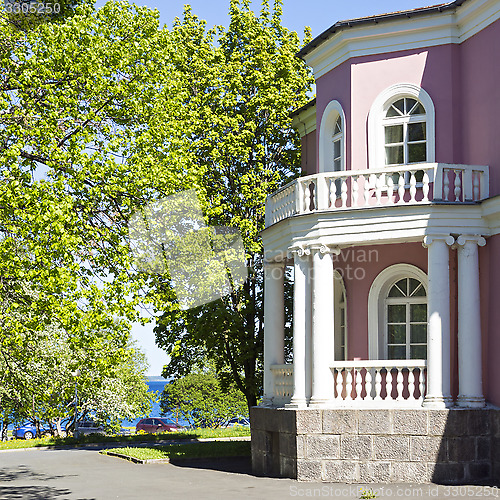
x=452, y=446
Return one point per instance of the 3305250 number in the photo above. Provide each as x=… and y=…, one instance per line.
x=36, y=7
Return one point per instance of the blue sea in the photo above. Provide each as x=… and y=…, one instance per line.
x=156, y=384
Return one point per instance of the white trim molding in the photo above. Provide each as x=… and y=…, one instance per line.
x=412, y=32
x=378, y=292
x=378, y=110
x=332, y=111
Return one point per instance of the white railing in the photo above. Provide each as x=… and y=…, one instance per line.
x=283, y=384
x=379, y=383
x=355, y=189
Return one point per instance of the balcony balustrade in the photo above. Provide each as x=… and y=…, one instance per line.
x=365, y=383
x=391, y=186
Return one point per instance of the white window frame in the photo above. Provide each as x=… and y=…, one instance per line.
x=339, y=290
x=326, y=133
x=377, y=325
x=406, y=301
x=377, y=116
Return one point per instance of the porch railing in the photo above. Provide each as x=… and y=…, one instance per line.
x=384, y=383
x=283, y=384
x=356, y=189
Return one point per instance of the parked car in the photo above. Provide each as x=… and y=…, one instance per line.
x=28, y=431
x=88, y=427
x=157, y=425
x=238, y=422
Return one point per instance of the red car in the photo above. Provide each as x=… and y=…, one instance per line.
x=157, y=425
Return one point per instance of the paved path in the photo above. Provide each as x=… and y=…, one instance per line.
x=82, y=474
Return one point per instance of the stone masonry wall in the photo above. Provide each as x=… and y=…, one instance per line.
x=366, y=446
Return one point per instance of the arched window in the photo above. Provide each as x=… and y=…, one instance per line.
x=401, y=127
x=332, y=139
x=405, y=132
x=397, y=314
x=340, y=318
x=406, y=320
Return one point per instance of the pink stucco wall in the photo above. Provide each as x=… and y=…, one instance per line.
x=480, y=79
x=360, y=266
x=435, y=69
x=308, y=153
x=466, y=105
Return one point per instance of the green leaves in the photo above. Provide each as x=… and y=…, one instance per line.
x=199, y=399
x=238, y=91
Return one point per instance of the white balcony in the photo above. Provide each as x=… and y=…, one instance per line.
x=380, y=383
x=364, y=384
x=421, y=183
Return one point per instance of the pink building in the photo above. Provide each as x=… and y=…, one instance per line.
x=393, y=232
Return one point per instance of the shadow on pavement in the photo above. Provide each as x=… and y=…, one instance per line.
x=238, y=465
x=33, y=493
x=23, y=472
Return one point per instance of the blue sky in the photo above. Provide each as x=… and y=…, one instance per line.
x=318, y=14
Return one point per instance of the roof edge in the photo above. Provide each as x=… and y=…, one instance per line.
x=349, y=23
x=307, y=105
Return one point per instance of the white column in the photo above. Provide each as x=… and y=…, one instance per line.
x=274, y=324
x=301, y=328
x=470, y=370
x=438, y=311
x=323, y=326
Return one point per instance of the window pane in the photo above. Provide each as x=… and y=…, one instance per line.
x=400, y=105
x=420, y=292
x=396, y=292
x=418, y=334
x=416, y=131
x=338, y=126
x=418, y=110
x=414, y=284
x=393, y=134
x=396, y=352
x=410, y=104
x=418, y=352
x=396, y=334
x=418, y=312
x=393, y=155
x=403, y=286
x=416, y=152
x=336, y=149
x=336, y=166
x=396, y=313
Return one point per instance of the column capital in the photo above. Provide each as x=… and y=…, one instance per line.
x=299, y=250
x=429, y=239
x=471, y=238
x=271, y=264
x=325, y=249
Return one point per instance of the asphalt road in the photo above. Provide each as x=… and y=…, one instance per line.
x=79, y=474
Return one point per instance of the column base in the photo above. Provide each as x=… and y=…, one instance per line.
x=470, y=401
x=437, y=402
x=321, y=403
x=297, y=404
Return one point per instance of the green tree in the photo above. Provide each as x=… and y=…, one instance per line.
x=199, y=399
x=239, y=88
x=90, y=119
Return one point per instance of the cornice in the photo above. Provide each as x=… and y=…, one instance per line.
x=450, y=26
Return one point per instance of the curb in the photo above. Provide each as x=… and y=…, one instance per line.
x=124, y=444
x=139, y=460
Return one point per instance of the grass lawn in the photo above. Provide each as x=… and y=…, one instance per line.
x=213, y=449
x=134, y=438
